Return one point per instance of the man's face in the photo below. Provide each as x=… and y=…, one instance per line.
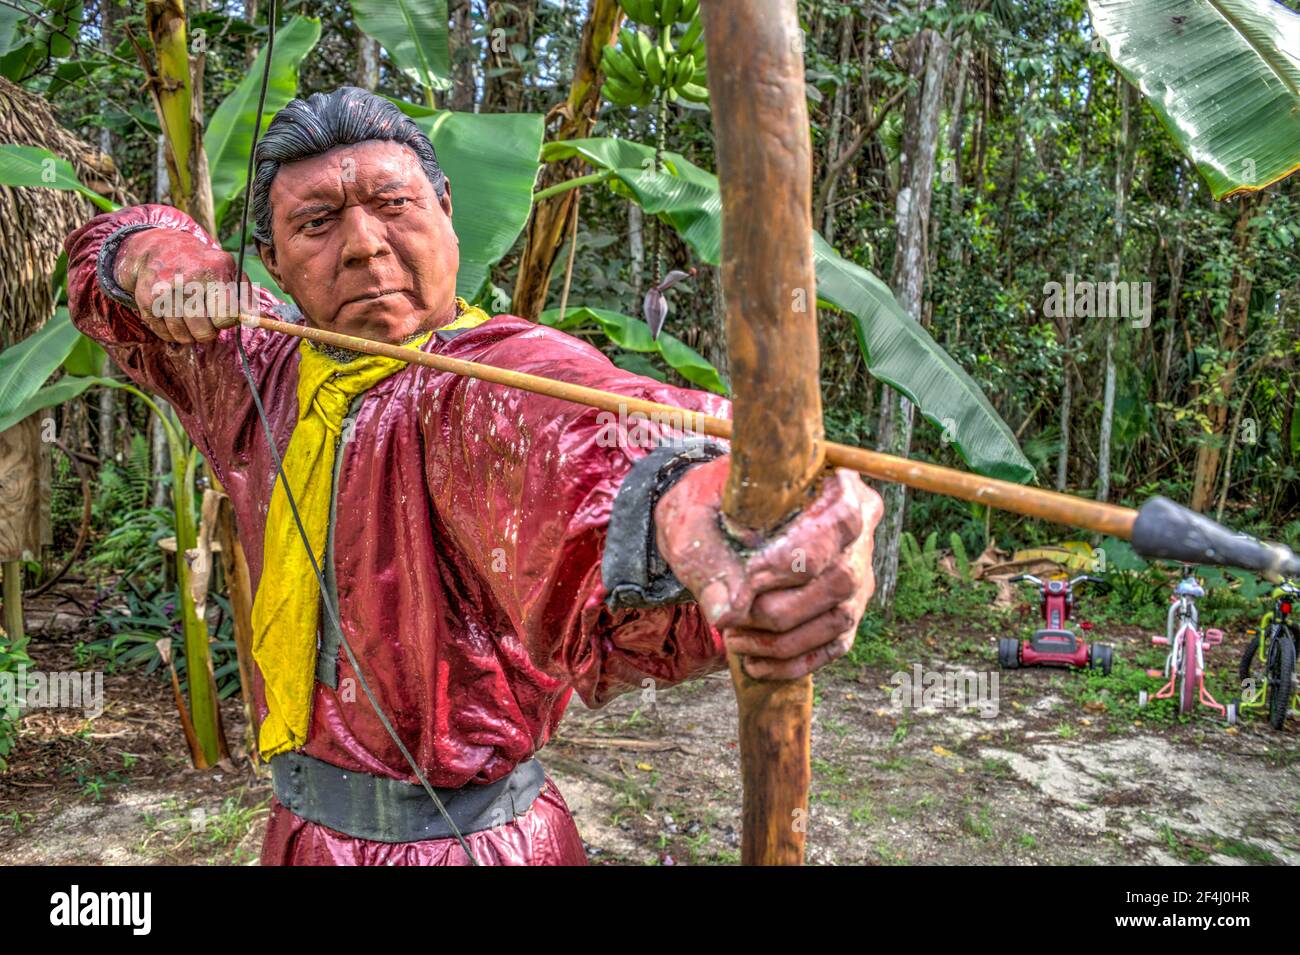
x=362, y=243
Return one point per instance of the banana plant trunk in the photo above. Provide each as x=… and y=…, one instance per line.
x=176, y=104
x=175, y=82
x=547, y=225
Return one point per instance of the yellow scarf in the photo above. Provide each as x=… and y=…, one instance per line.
x=286, y=609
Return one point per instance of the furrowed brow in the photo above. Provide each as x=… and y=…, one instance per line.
x=311, y=209
x=393, y=185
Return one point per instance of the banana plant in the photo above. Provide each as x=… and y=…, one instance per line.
x=632, y=335
x=1222, y=75
x=24, y=369
x=897, y=349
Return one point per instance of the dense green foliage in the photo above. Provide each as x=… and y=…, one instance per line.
x=1052, y=176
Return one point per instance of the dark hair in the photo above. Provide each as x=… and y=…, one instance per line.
x=309, y=127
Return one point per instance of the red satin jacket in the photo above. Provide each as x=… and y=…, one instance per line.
x=471, y=523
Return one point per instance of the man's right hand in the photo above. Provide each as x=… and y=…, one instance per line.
x=182, y=286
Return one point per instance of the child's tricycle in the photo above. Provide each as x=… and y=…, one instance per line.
x=1055, y=645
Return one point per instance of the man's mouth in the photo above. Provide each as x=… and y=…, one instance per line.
x=371, y=296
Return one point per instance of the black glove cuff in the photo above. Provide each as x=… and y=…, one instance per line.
x=106, y=263
x=633, y=572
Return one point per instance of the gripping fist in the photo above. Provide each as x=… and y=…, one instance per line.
x=182, y=285
x=793, y=605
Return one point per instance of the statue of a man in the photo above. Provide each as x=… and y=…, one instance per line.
x=488, y=551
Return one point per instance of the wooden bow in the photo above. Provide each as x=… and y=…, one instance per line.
x=764, y=154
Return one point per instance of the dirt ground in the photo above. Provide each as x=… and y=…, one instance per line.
x=1067, y=770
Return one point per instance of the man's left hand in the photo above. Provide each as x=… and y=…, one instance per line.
x=794, y=604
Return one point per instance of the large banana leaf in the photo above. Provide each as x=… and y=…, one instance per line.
x=229, y=133
x=36, y=167
x=491, y=161
x=897, y=349
x=1223, y=76
x=634, y=335
x=414, y=32
x=47, y=396
x=25, y=367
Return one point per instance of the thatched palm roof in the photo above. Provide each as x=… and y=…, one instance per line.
x=34, y=222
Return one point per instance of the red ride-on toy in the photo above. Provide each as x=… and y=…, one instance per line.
x=1055, y=645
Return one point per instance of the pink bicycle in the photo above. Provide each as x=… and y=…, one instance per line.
x=1185, y=664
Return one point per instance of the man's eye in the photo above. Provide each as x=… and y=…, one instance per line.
x=399, y=201
x=315, y=223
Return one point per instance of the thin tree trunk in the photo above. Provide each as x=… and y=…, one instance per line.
x=954, y=151
x=837, y=120
x=636, y=248
x=1231, y=336
x=1175, y=290
x=1067, y=398
x=462, y=57
x=161, y=461
x=1123, y=175
x=367, y=75
x=908, y=279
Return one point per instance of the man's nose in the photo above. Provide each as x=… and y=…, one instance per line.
x=364, y=236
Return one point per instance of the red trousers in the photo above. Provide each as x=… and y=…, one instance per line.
x=544, y=835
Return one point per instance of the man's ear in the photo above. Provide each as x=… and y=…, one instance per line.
x=445, y=199
x=267, y=254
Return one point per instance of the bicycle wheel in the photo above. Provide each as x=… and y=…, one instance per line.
x=1189, y=691
x=1281, y=676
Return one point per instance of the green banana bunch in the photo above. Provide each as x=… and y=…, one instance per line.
x=689, y=10
x=669, y=12
x=640, y=11
x=691, y=38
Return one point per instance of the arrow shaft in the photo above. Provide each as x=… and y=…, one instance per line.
x=1109, y=519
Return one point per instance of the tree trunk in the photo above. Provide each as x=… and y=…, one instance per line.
x=1175, y=290
x=545, y=232
x=955, y=150
x=1231, y=336
x=908, y=279
x=837, y=120
x=1123, y=176
x=107, y=416
x=367, y=75
x=1067, y=396
x=462, y=57
x=636, y=249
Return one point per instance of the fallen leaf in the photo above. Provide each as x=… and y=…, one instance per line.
x=940, y=751
x=644, y=767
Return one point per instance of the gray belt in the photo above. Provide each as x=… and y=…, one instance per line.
x=390, y=810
